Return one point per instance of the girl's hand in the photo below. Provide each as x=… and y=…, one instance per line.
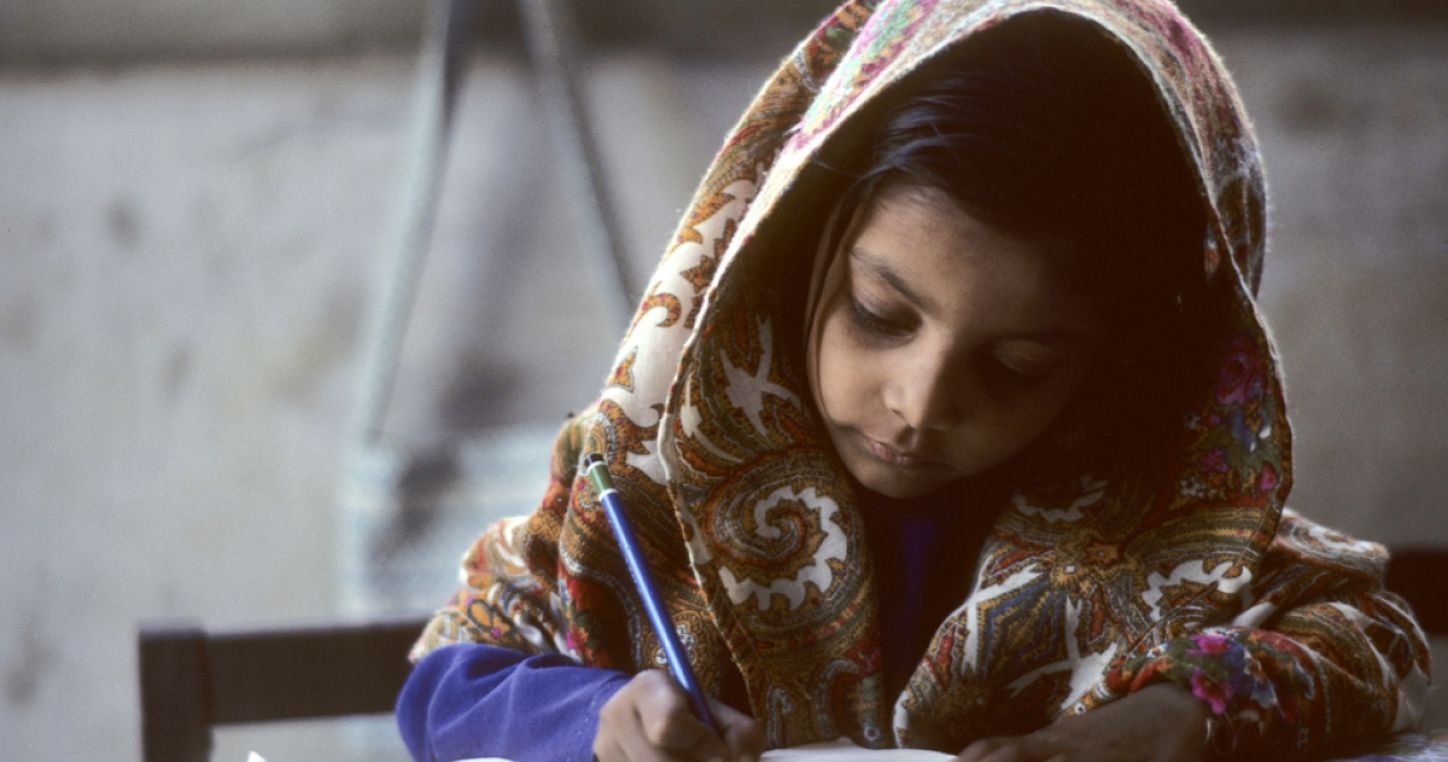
x=650, y=719
x=1161, y=723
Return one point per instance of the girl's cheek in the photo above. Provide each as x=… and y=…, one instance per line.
x=850, y=375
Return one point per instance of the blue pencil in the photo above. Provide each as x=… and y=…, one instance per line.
x=597, y=473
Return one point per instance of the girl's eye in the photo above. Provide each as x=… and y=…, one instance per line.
x=1019, y=374
x=874, y=322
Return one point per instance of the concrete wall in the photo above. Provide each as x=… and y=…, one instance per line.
x=188, y=251
x=40, y=31
x=67, y=31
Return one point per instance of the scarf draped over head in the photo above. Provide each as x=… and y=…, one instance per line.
x=1085, y=584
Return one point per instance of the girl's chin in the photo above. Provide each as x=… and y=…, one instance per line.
x=899, y=483
x=886, y=473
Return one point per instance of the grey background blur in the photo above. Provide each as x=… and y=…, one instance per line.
x=194, y=204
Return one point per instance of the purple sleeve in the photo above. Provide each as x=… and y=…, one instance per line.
x=475, y=700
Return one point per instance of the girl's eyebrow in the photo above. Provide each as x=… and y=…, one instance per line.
x=883, y=272
x=1058, y=337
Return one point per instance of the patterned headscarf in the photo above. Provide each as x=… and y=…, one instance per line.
x=752, y=527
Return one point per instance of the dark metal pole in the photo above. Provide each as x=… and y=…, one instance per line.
x=551, y=42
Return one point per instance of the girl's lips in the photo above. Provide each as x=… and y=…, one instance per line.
x=894, y=457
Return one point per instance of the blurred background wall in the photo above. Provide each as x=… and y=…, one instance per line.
x=195, y=199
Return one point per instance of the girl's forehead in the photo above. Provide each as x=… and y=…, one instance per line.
x=921, y=247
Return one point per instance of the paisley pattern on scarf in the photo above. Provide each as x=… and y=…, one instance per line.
x=1183, y=566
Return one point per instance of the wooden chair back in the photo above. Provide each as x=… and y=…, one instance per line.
x=193, y=680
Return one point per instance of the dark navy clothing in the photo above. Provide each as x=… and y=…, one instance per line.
x=923, y=553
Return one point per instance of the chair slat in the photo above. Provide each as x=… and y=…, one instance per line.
x=316, y=672
x=175, y=713
x=192, y=680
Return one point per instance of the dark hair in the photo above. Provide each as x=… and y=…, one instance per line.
x=1045, y=128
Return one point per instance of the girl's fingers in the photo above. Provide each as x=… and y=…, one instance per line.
x=639, y=751
x=668, y=722
x=632, y=721
x=640, y=746
x=634, y=749
x=606, y=752
x=1008, y=752
x=651, y=719
x=978, y=750
x=1009, y=749
x=742, y=735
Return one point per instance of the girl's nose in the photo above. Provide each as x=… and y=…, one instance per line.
x=928, y=396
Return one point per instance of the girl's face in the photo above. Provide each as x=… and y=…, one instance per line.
x=939, y=345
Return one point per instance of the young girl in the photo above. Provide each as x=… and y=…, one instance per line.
x=947, y=421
